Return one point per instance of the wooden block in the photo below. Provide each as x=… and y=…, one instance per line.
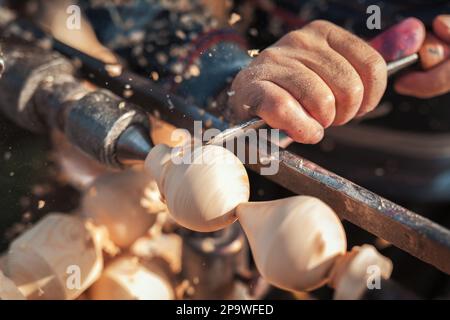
x=8, y=290
x=56, y=259
x=126, y=203
x=131, y=278
x=165, y=246
x=351, y=272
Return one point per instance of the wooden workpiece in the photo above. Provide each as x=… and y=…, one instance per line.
x=58, y=258
x=131, y=278
x=8, y=289
x=352, y=272
x=166, y=246
x=296, y=242
x=126, y=203
x=202, y=196
x=211, y=195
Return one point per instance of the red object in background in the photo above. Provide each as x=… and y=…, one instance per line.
x=408, y=37
x=400, y=40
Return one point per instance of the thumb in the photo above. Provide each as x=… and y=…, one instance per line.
x=400, y=40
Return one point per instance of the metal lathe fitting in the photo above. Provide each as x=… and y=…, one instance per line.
x=96, y=121
x=26, y=67
x=212, y=260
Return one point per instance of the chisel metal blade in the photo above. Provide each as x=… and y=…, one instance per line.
x=237, y=131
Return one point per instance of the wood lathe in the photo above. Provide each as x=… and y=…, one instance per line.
x=383, y=218
x=85, y=121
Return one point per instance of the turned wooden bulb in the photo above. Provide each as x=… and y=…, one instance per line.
x=294, y=241
x=8, y=289
x=204, y=194
x=130, y=278
x=56, y=259
x=126, y=203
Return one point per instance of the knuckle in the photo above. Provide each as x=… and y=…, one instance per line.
x=238, y=79
x=376, y=66
x=241, y=82
x=356, y=90
x=351, y=95
x=349, y=101
x=280, y=107
x=376, y=81
x=327, y=101
x=327, y=107
x=294, y=36
x=270, y=54
x=320, y=24
x=301, y=39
